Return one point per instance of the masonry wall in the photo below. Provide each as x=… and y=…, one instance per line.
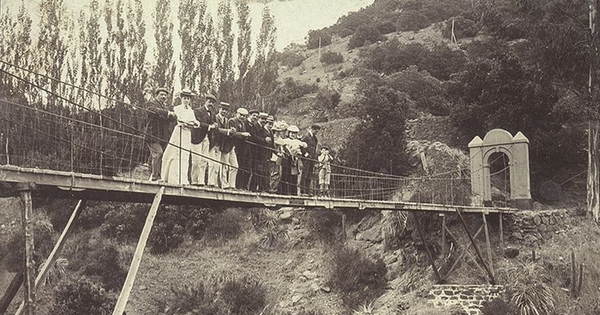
x=470, y=297
x=532, y=228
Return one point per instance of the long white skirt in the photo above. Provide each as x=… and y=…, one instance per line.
x=175, y=161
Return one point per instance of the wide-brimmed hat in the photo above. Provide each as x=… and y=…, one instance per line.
x=253, y=111
x=210, y=97
x=293, y=128
x=279, y=125
x=186, y=92
x=263, y=115
x=270, y=118
x=225, y=105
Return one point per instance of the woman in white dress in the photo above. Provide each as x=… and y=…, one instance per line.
x=175, y=161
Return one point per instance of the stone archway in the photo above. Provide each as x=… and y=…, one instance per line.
x=516, y=150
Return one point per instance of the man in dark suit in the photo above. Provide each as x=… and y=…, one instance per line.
x=260, y=178
x=236, y=143
x=159, y=127
x=310, y=155
x=200, y=141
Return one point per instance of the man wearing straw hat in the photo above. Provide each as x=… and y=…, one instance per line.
x=200, y=141
x=160, y=124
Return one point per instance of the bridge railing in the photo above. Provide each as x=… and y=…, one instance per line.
x=42, y=128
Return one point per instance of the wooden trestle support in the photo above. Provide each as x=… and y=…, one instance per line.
x=483, y=266
x=26, y=276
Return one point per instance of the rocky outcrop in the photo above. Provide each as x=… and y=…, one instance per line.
x=532, y=228
x=470, y=297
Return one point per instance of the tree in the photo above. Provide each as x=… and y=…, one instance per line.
x=225, y=51
x=164, y=69
x=51, y=46
x=137, y=73
x=379, y=140
x=318, y=38
x=264, y=70
x=244, y=47
x=190, y=12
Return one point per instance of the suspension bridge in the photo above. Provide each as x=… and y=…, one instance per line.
x=62, y=141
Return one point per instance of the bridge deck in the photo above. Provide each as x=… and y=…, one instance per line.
x=61, y=184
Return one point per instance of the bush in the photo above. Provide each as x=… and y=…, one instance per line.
x=412, y=21
x=125, y=222
x=103, y=265
x=325, y=224
x=463, y=27
x=44, y=239
x=220, y=296
x=168, y=230
x=82, y=297
x=312, y=41
x=291, y=90
x=364, y=35
x=367, y=281
x=291, y=59
x=386, y=27
x=225, y=226
x=330, y=57
x=244, y=296
x=498, y=307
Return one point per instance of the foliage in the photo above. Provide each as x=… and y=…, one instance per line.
x=463, y=27
x=225, y=225
x=427, y=92
x=125, y=222
x=82, y=296
x=220, y=295
x=291, y=90
x=326, y=225
x=102, y=265
x=498, y=307
x=168, y=230
x=44, y=239
x=326, y=103
x=290, y=59
x=529, y=289
x=318, y=37
x=412, y=21
x=330, y=57
x=367, y=281
x=393, y=56
x=164, y=70
x=502, y=93
x=379, y=140
x=365, y=35
x=274, y=233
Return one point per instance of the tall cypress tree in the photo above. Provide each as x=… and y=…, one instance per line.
x=164, y=69
x=137, y=73
x=225, y=54
x=190, y=13
x=244, y=47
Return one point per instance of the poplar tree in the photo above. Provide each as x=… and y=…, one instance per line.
x=135, y=58
x=264, y=70
x=51, y=46
x=225, y=53
x=244, y=46
x=190, y=14
x=206, y=58
x=164, y=69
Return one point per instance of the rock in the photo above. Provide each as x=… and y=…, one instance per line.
x=315, y=287
x=143, y=288
x=326, y=289
x=511, y=252
x=309, y=274
x=286, y=216
x=289, y=262
x=373, y=235
x=388, y=260
x=537, y=220
x=517, y=235
x=530, y=238
x=367, y=222
x=296, y=298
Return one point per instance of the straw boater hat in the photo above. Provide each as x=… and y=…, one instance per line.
x=280, y=125
x=242, y=111
x=161, y=89
x=186, y=92
x=210, y=97
x=293, y=128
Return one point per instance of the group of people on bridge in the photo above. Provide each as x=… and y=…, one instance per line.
x=200, y=144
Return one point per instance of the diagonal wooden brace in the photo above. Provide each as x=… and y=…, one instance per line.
x=137, y=257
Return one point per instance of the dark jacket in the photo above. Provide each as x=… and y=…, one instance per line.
x=160, y=125
x=219, y=135
x=236, y=139
x=206, y=118
x=312, y=143
x=258, y=135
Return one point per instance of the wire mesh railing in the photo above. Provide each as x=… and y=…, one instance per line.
x=42, y=128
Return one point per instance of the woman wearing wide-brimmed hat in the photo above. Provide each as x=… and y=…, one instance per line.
x=175, y=161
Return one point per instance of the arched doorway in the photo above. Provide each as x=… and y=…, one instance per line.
x=499, y=166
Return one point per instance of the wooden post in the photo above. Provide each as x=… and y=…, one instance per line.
x=41, y=278
x=11, y=291
x=443, y=234
x=29, y=279
x=593, y=180
x=419, y=229
x=487, y=269
x=487, y=242
x=137, y=257
x=344, y=236
x=573, y=276
x=501, y=233
x=580, y=282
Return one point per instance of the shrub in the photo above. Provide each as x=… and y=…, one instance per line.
x=367, y=281
x=364, y=35
x=274, y=233
x=325, y=224
x=312, y=41
x=44, y=239
x=291, y=59
x=529, y=290
x=498, y=307
x=412, y=21
x=125, y=222
x=330, y=57
x=326, y=104
x=244, y=296
x=291, y=90
x=82, y=296
x=191, y=300
x=165, y=237
x=102, y=265
x=346, y=32
x=463, y=27
x=386, y=27
x=427, y=91
x=225, y=226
